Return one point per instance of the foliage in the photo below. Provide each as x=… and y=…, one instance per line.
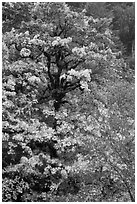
x=14, y=13
x=124, y=22
x=68, y=119
x=97, y=9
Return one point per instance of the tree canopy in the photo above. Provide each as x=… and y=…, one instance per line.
x=68, y=107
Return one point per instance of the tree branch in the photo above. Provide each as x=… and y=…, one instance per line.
x=75, y=65
x=72, y=86
x=48, y=65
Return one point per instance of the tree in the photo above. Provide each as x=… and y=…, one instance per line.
x=57, y=71
x=124, y=22
x=14, y=13
x=98, y=10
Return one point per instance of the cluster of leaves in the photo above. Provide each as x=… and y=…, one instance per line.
x=124, y=23
x=63, y=129
x=14, y=13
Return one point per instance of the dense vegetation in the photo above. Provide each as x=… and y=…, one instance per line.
x=68, y=102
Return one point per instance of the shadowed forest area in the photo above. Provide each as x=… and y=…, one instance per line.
x=68, y=102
